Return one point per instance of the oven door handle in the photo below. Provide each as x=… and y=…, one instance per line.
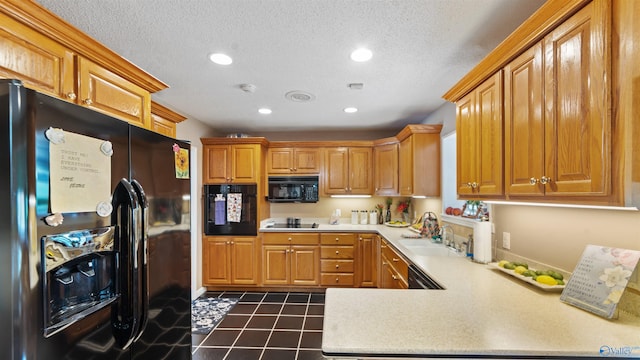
x=126, y=218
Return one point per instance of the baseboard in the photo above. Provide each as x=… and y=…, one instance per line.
x=198, y=292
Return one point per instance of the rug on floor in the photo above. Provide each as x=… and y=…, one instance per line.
x=207, y=312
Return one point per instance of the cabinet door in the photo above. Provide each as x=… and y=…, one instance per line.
x=367, y=260
x=524, y=128
x=245, y=163
x=216, y=164
x=361, y=173
x=467, y=130
x=305, y=265
x=163, y=126
x=41, y=63
x=306, y=161
x=490, y=148
x=280, y=160
x=577, y=122
x=102, y=90
x=244, y=262
x=405, y=166
x=216, y=261
x=386, y=169
x=336, y=180
x=275, y=264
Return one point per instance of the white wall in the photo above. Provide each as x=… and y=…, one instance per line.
x=192, y=130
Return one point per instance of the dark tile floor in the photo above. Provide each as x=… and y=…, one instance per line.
x=265, y=326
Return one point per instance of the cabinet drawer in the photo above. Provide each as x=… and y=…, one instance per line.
x=290, y=238
x=337, y=266
x=336, y=279
x=337, y=239
x=336, y=252
x=395, y=260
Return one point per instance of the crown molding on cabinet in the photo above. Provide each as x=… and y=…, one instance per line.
x=43, y=21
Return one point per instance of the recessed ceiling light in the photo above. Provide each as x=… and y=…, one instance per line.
x=350, y=110
x=221, y=59
x=361, y=55
x=264, y=111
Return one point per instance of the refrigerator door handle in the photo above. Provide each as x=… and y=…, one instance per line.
x=126, y=217
x=144, y=238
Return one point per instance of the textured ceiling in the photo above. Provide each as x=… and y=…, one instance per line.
x=421, y=48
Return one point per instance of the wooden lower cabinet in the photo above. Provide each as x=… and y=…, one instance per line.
x=394, y=269
x=337, y=255
x=230, y=261
x=368, y=258
x=291, y=259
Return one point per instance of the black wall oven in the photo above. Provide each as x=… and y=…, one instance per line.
x=230, y=209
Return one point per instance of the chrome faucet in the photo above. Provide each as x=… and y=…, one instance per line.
x=445, y=231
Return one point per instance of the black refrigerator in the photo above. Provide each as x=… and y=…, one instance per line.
x=94, y=234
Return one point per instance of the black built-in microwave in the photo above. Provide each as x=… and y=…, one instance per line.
x=303, y=189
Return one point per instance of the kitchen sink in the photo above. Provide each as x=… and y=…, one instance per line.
x=427, y=248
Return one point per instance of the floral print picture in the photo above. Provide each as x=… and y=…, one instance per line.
x=600, y=279
x=182, y=162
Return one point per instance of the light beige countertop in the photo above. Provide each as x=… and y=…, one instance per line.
x=481, y=312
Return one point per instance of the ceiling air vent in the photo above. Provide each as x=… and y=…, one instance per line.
x=299, y=96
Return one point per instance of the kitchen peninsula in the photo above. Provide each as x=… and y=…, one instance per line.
x=480, y=312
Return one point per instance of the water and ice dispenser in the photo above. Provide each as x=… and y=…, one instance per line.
x=79, y=268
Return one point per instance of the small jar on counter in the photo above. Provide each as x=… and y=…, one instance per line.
x=364, y=217
x=354, y=217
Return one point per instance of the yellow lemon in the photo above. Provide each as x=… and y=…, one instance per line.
x=520, y=269
x=546, y=279
x=502, y=262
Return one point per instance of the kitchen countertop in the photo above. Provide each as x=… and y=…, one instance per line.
x=481, y=312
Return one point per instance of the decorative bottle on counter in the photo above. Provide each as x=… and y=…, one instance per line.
x=387, y=216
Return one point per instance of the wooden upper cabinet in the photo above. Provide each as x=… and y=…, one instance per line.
x=239, y=163
x=348, y=170
x=577, y=119
x=557, y=121
x=164, y=120
x=479, y=128
x=103, y=90
x=50, y=56
x=385, y=165
x=524, y=126
x=419, y=160
x=293, y=160
x=40, y=62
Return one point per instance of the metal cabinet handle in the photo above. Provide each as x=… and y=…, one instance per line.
x=396, y=260
x=337, y=252
x=394, y=277
x=337, y=266
x=533, y=181
x=545, y=180
x=337, y=279
x=71, y=96
x=87, y=101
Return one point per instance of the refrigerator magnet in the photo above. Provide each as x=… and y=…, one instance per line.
x=104, y=208
x=54, y=219
x=55, y=136
x=181, y=157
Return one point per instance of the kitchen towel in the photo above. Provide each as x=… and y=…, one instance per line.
x=219, y=210
x=234, y=207
x=482, y=242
